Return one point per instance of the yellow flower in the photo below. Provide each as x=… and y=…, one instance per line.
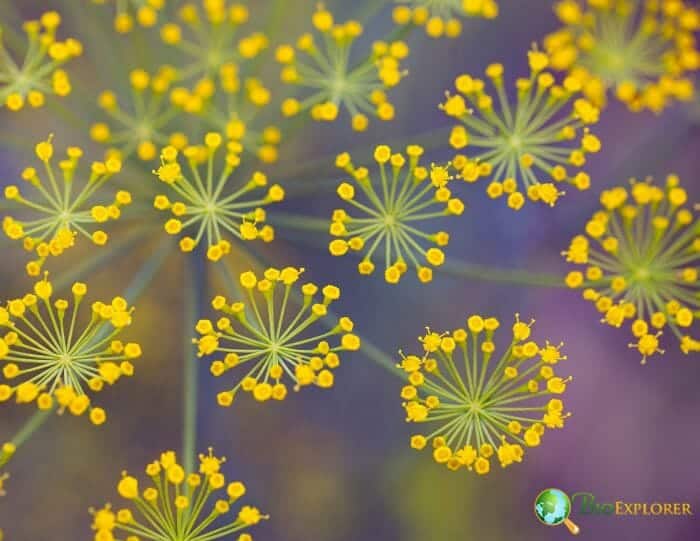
x=395, y=202
x=40, y=71
x=214, y=57
x=527, y=146
x=277, y=338
x=199, y=498
x=49, y=359
x=644, y=52
x=145, y=12
x=442, y=17
x=329, y=81
x=209, y=206
x=641, y=255
x=478, y=404
x=207, y=37
x=235, y=110
x=58, y=212
x=140, y=125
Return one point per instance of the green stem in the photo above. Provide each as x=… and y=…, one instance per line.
x=31, y=426
x=376, y=355
x=300, y=223
x=196, y=266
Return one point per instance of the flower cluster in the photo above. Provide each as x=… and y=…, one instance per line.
x=207, y=38
x=271, y=339
x=442, y=17
x=61, y=210
x=235, y=108
x=141, y=125
x=179, y=505
x=479, y=406
x=641, y=254
x=325, y=71
x=47, y=357
x=39, y=73
x=530, y=146
x=405, y=195
x=216, y=61
x=643, y=50
x=206, y=204
x=145, y=12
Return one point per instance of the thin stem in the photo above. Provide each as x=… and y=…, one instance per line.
x=32, y=425
x=196, y=266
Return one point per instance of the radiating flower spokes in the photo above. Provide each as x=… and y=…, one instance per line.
x=642, y=259
x=331, y=83
x=529, y=146
x=179, y=505
x=145, y=12
x=39, y=73
x=233, y=105
x=271, y=339
x=47, y=356
x=63, y=206
x=140, y=124
x=206, y=205
x=207, y=38
x=442, y=17
x=643, y=51
x=394, y=208
x=477, y=404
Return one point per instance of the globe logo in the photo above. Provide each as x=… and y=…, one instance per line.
x=553, y=507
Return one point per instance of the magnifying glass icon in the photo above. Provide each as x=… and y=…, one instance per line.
x=553, y=507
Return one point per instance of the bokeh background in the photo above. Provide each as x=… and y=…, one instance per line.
x=336, y=465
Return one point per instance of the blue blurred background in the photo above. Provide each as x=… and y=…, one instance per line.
x=336, y=465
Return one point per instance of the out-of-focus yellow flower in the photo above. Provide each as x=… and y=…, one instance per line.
x=330, y=83
x=40, y=72
x=642, y=51
x=442, y=17
x=141, y=124
x=207, y=36
x=144, y=12
x=233, y=106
